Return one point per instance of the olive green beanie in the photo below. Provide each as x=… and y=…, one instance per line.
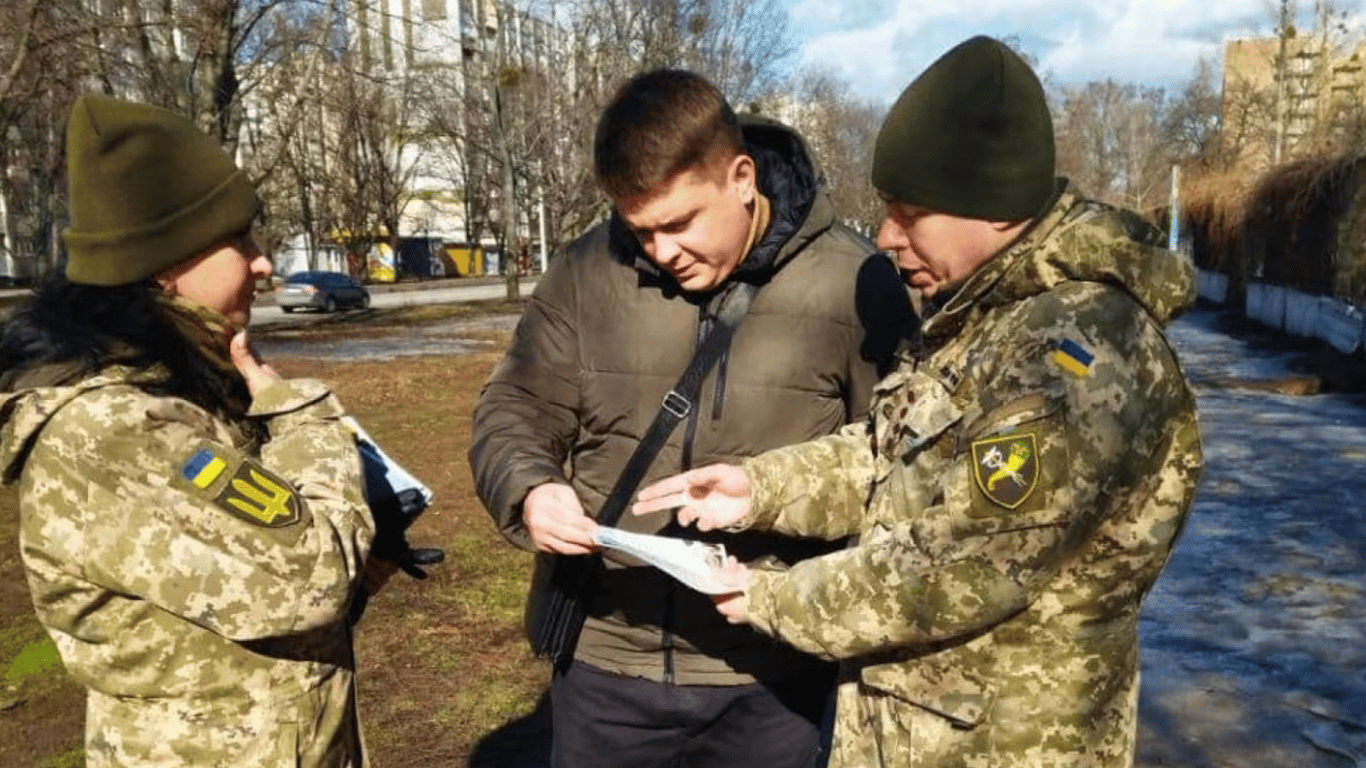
x=971, y=136
x=147, y=190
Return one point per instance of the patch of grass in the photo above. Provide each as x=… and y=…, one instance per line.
x=43, y=726
x=35, y=659
x=381, y=322
x=496, y=577
x=72, y=757
x=15, y=638
x=492, y=701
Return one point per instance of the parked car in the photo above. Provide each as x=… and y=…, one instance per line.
x=328, y=291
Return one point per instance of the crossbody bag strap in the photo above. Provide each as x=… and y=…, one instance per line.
x=556, y=613
x=678, y=402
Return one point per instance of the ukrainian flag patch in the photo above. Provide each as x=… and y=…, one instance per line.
x=1073, y=358
x=203, y=468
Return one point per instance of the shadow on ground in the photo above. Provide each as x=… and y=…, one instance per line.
x=520, y=743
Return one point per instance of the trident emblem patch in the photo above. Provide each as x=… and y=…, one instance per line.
x=259, y=497
x=1006, y=468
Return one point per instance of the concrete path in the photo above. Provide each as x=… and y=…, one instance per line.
x=1254, y=638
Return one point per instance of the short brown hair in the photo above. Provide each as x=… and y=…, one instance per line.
x=659, y=124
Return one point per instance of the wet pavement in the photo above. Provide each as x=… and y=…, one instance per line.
x=1254, y=638
x=450, y=337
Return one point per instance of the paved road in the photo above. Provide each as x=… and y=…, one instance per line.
x=1254, y=638
x=402, y=296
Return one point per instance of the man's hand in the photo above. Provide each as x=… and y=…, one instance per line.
x=734, y=605
x=556, y=521
x=258, y=375
x=716, y=496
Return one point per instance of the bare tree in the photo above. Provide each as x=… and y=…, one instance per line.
x=203, y=58
x=1191, y=123
x=1087, y=126
x=44, y=46
x=839, y=129
x=378, y=157
x=740, y=45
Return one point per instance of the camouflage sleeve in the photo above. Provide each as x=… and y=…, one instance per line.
x=169, y=511
x=1079, y=410
x=814, y=489
x=525, y=420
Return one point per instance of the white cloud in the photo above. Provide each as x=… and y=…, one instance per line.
x=881, y=45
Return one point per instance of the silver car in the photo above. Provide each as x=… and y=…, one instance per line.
x=327, y=291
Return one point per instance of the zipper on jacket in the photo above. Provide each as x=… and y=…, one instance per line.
x=705, y=322
x=719, y=399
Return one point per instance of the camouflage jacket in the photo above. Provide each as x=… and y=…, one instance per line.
x=1017, y=489
x=195, y=583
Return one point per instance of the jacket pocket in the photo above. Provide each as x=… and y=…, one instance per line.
x=940, y=686
x=1011, y=470
x=131, y=732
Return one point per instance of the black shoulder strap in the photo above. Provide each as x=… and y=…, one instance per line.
x=555, y=610
x=678, y=402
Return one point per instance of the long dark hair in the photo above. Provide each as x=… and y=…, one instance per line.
x=82, y=328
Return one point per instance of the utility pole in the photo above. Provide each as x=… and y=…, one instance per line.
x=1174, y=209
x=1284, y=30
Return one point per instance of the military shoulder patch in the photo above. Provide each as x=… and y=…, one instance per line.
x=251, y=492
x=1073, y=358
x=203, y=468
x=1006, y=468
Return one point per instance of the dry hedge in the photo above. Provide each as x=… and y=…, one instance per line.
x=1302, y=225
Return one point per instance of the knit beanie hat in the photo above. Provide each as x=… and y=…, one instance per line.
x=147, y=190
x=971, y=136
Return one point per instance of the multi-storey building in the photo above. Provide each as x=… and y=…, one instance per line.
x=1285, y=98
x=459, y=48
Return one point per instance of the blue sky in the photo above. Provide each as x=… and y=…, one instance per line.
x=881, y=45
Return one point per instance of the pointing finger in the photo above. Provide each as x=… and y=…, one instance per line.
x=669, y=486
x=657, y=504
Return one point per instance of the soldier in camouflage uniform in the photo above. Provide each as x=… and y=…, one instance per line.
x=193, y=526
x=1022, y=476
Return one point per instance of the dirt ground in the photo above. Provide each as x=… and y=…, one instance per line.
x=445, y=676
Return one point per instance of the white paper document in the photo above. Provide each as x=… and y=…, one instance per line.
x=398, y=478
x=692, y=562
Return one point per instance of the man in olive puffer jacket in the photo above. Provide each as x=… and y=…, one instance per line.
x=702, y=202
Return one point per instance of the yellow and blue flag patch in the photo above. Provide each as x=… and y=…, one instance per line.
x=1073, y=358
x=203, y=468
x=250, y=491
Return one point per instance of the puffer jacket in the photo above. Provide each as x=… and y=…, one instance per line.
x=607, y=334
x=1017, y=490
x=196, y=582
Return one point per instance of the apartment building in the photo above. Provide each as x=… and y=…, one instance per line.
x=467, y=45
x=1283, y=99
